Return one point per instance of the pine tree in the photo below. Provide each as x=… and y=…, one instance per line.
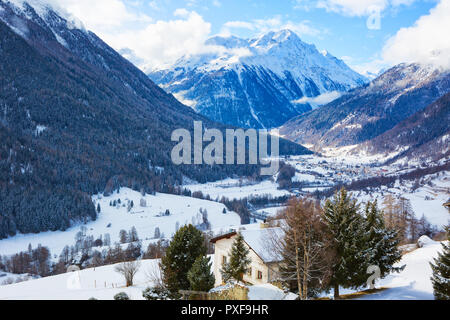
x=133, y=235
x=441, y=272
x=381, y=242
x=123, y=236
x=238, y=261
x=346, y=228
x=200, y=276
x=186, y=246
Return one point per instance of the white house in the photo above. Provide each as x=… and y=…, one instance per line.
x=264, y=265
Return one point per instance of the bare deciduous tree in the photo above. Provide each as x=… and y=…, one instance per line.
x=304, y=248
x=128, y=270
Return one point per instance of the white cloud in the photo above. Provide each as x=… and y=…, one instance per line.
x=271, y=24
x=319, y=100
x=102, y=15
x=359, y=8
x=353, y=7
x=145, y=42
x=164, y=42
x=427, y=41
x=181, y=12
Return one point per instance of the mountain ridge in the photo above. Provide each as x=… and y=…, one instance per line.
x=366, y=112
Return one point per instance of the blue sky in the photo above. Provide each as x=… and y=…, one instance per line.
x=159, y=31
x=342, y=34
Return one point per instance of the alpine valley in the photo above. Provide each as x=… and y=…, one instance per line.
x=94, y=203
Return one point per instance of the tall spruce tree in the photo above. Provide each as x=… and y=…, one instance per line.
x=346, y=228
x=239, y=261
x=200, y=276
x=441, y=272
x=186, y=246
x=381, y=242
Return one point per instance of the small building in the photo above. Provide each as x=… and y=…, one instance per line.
x=264, y=267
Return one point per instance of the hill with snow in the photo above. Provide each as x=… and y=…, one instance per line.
x=103, y=282
x=112, y=219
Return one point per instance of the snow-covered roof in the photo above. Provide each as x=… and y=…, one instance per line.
x=260, y=240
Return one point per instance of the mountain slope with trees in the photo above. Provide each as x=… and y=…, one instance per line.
x=425, y=135
x=77, y=119
x=369, y=111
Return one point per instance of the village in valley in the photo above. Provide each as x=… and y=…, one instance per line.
x=140, y=226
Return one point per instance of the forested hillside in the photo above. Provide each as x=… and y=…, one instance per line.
x=77, y=119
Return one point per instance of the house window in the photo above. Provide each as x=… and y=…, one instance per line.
x=259, y=275
x=224, y=259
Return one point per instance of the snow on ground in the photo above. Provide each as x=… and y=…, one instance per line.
x=270, y=212
x=413, y=283
x=433, y=208
x=101, y=283
x=104, y=282
x=237, y=189
x=269, y=292
x=182, y=209
x=427, y=200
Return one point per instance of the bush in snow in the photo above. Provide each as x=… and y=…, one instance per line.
x=156, y=293
x=424, y=241
x=121, y=296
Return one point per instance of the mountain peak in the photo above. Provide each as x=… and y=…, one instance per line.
x=275, y=37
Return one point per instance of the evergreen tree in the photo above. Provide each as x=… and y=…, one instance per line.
x=200, y=276
x=346, y=228
x=98, y=208
x=441, y=272
x=186, y=246
x=123, y=236
x=238, y=261
x=381, y=242
x=133, y=235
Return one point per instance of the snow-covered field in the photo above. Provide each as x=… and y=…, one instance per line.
x=101, y=283
x=104, y=282
x=183, y=210
x=427, y=200
x=236, y=189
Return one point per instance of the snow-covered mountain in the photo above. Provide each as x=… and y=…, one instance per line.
x=259, y=82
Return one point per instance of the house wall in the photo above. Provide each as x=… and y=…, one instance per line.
x=223, y=248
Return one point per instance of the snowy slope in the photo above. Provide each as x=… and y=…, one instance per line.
x=101, y=283
x=184, y=210
x=236, y=189
x=413, y=283
x=259, y=82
